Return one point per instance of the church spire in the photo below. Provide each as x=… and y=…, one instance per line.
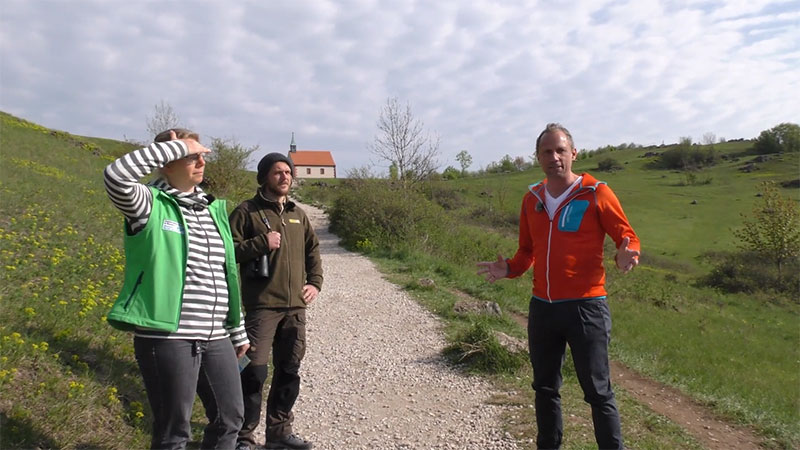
x=292, y=145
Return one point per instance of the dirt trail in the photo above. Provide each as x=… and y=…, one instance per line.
x=698, y=420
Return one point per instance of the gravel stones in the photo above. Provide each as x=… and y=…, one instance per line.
x=373, y=376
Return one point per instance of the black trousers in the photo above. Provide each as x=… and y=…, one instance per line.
x=586, y=326
x=281, y=332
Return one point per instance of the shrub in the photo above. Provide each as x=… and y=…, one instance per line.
x=608, y=165
x=370, y=215
x=451, y=173
x=772, y=229
x=691, y=179
x=495, y=218
x=315, y=192
x=479, y=349
x=780, y=138
x=445, y=196
x=506, y=164
x=226, y=173
x=371, y=210
x=748, y=272
x=683, y=157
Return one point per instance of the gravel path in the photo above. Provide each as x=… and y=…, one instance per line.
x=373, y=374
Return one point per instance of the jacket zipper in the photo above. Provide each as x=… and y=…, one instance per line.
x=288, y=262
x=211, y=269
x=563, y=204
x=135, y=288
x=547, y=267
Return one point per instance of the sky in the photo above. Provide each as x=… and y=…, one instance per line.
x=485, y=76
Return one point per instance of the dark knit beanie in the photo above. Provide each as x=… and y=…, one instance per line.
x=266, y=164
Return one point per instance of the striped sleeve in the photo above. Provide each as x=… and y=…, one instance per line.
x=238, y=334
x=122, y=176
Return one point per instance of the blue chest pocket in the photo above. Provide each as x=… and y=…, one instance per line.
x=572, y=215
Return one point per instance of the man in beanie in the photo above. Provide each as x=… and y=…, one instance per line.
x=281, y=270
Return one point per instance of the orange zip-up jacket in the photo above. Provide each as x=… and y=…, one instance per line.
x=567, y=252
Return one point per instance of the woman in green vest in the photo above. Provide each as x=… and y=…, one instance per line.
x=180, y=297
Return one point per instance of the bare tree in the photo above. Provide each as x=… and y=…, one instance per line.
x=162, y=119
x=402, y=141
x=709, y=138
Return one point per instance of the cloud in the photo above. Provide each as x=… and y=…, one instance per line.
x=486, y=76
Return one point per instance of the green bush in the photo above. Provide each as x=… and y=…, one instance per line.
x=691, y=179
x=226, y=174
x=780, y=138
x=772, y=229
x=687, y=157
x=748, y=272
x=608, y=165
x=372, y=210
x=390, y=220
x=495, y=218
x=451, y=173
x=446, y=197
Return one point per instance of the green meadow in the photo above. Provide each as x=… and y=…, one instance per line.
x=67, y=380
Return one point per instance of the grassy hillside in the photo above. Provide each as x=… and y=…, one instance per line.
x=67, y=379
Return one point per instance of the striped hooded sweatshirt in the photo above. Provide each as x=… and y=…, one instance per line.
x=567, y=251
x=204, y=303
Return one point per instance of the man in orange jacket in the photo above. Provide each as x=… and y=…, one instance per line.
x=563, y=223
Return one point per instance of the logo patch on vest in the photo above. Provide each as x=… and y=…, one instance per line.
x=294, y=221
x=171, y=225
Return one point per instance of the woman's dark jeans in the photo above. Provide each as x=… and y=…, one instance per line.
x=173, y=370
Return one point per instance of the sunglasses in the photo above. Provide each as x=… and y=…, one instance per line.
x=192, y=159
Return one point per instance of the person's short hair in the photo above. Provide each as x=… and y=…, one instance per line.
x=552, y=127
x=180, y=133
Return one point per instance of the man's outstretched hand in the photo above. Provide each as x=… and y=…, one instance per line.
x=626, y=258
x=493, y=270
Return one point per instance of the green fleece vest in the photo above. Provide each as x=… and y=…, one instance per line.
x=155, y=269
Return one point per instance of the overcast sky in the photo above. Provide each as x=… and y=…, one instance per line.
x=486, y=76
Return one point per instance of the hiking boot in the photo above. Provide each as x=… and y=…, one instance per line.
x=291, y=442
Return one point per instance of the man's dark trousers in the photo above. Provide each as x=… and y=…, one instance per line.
x=282, y=332
x=586, y=326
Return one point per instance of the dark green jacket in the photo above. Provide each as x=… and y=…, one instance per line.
x=155, y=269
x=293, y=265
